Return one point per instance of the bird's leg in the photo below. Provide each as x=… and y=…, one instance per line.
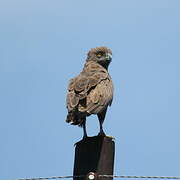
x=84, y=129
x=101, y=132
x=101, y=117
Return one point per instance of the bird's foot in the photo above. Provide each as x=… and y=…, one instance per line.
x=101, y=133
x=84, y=137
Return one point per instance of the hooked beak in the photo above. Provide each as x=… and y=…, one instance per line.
x=109, y=56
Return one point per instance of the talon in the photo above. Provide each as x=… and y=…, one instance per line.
x=84, y=137
x=102, y=134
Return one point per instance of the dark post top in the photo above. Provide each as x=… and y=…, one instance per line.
x=96, y=155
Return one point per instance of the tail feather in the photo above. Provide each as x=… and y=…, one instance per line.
x=75, y=118
x=71, y=118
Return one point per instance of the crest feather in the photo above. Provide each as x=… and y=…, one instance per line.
x=102, y=48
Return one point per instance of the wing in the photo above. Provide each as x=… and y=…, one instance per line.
x=77, y=90
x=100, y=97
x=81, y=87
x=72, y=99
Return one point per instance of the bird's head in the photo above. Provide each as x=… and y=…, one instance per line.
x=101, y=55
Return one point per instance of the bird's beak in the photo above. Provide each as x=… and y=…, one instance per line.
x=109, y=56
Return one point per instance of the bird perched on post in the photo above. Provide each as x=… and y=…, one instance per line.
x=91, y=92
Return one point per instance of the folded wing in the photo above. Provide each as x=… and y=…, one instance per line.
x=89, y=93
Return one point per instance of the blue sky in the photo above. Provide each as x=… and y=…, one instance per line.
x=44, y=43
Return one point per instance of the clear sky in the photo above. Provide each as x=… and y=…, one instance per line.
x=43, y=43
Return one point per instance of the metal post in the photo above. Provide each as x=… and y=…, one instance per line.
x=94, y=155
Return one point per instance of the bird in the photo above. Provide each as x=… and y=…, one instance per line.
x=91, y=92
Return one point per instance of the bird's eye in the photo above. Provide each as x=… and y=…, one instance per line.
x=99, y=54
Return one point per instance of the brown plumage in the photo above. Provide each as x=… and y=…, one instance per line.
x=91, y=92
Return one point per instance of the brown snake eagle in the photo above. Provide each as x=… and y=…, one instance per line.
x=91, y=92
